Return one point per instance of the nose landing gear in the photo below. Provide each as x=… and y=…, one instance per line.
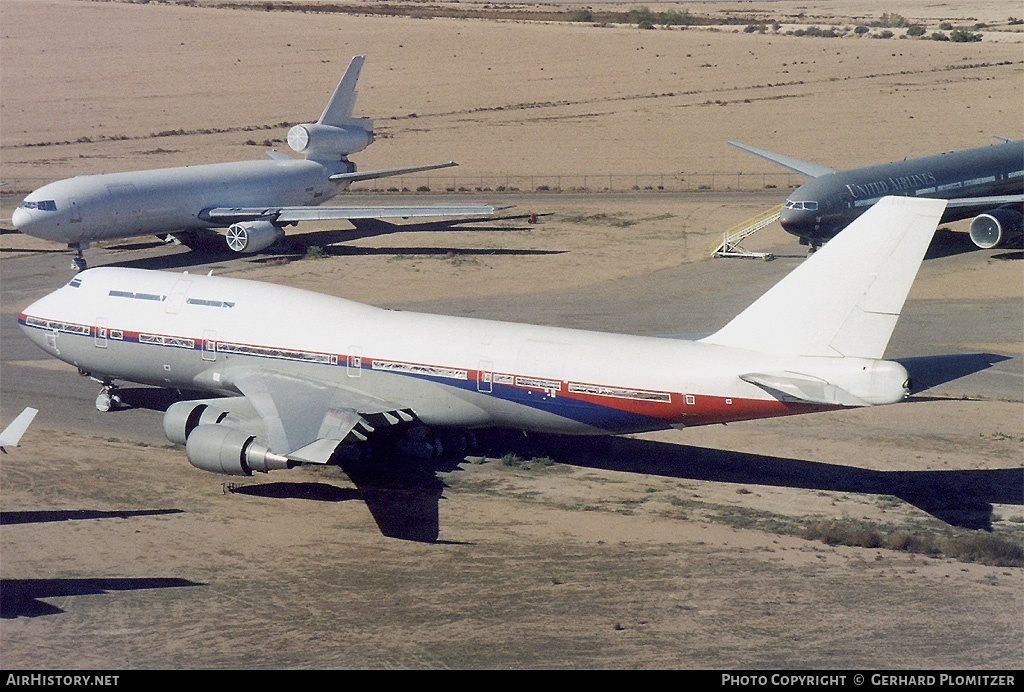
x=109, y=399
x=78, y=262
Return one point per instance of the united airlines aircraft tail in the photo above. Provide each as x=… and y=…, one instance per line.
x=845, y=299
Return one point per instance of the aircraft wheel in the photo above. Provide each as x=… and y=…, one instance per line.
x=79, y=264
x=108, y=400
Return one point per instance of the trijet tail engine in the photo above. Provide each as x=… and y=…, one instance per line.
x=336, y=134
x=331, y=143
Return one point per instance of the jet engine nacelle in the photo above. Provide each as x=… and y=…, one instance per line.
x=233, y=452
x=320, y=142
x=253, y=236
x=997, y=228
x=183, y=417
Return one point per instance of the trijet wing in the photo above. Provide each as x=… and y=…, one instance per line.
x=285, y=215
x=811, y=170
x=306, y=420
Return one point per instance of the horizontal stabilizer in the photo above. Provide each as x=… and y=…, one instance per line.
x=283, y=215
x=844, y=299
x=356, y=176
x=794, y=387
x=811, y=170
x=11, y=435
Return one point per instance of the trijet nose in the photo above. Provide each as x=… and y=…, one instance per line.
x=21, y=219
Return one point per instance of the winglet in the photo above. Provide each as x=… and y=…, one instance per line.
x=845, y=299
x=11, y=435
x=339, y=108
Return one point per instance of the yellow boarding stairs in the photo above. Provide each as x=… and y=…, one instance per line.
x=730, y=246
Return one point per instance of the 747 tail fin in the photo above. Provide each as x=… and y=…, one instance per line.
x=845, y=299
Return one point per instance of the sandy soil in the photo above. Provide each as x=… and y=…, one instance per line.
x=576, y=99
x=678, y=549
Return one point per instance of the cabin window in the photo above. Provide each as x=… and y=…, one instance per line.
x=210, y=303
x=136, y=296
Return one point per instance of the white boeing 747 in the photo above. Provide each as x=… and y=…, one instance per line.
x=296, y=377
x=254, y=200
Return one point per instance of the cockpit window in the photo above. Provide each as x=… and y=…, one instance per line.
x=75, y=282
x=809, y=206
x=41, y=205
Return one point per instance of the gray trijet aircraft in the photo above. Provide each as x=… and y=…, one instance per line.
x=253, y=200
x=984, y=182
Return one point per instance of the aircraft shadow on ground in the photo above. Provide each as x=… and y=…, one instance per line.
x=356, y=251
x=368, y=228
x=156, y=398
x=211, y=249
x=402, y=495
x=1009, y=256
x=44, y=516
x=947, y=243
x=37, y=251
x=930, y=371
x=138, y=246
x=23, y=597
x=959, y=498
x=176, y=259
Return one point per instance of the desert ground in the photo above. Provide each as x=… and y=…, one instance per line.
x=683, y=549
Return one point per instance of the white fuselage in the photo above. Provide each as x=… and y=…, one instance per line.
x=190, y=332
x=89, y=208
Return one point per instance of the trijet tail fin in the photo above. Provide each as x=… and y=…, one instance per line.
x=339, y=109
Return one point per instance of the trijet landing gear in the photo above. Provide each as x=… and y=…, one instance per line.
x=109, y=399
x=78, y=262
